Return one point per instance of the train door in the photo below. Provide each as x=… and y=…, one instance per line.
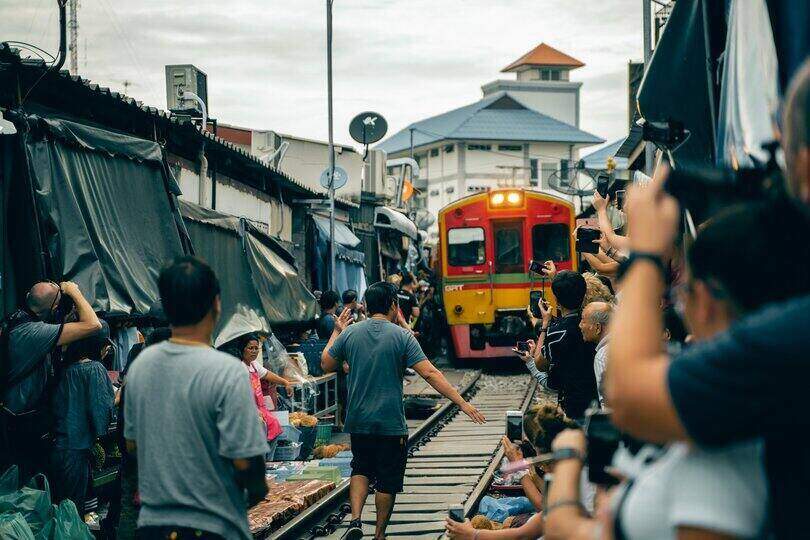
x=508, y=246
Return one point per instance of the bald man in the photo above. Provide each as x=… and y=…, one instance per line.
x=34, y=332
x=594, y=328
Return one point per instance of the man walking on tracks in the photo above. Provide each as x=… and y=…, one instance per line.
x=378, y=351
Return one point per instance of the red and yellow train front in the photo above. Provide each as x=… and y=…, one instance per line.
x=487, y=242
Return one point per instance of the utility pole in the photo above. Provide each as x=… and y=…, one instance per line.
x=73, y=25
x=649, y=150
x=331, y=147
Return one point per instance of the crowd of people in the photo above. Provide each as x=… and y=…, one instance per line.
x=697, y=360
x=695, y=351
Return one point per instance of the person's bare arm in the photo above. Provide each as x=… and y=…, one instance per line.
x=530, y=530
x=437, y=380
x=568, y=521
x=250, y=477
x=329, y=364
x=636, y=375
x=600, y=204
x=540, y=361
x=272, y=378
x=513, y=453
x=607, y=268
x=88, y=323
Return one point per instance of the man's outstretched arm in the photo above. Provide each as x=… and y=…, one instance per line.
x=437, y=380
x=636, y=376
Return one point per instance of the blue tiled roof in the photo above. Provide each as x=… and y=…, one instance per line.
x=598, y=159
x=499, y=116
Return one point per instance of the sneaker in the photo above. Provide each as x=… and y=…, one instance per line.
x=355, y=531
x=410, y=372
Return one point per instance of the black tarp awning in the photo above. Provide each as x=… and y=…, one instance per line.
x=106, y=215
x=680, y=84
x=259, y=281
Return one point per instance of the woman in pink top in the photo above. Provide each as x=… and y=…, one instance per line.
x=249, y=347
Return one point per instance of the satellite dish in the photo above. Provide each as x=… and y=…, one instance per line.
x=574, y=182
x=368, y=127
x=341, y=178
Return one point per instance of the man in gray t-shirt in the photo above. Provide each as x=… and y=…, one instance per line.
x=191, y=419
x=378, y=351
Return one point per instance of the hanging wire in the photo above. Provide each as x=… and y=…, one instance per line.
x=39, y=51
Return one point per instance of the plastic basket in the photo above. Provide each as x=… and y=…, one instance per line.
x=290, y=433
x=286, y=453
x=323, y=435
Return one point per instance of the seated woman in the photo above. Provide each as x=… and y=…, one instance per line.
x=541, y=424
x=82, y=408
x=248, y=347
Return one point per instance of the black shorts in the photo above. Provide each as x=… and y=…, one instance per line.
x=381, y=459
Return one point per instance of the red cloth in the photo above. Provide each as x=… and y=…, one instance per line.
x=273, y=427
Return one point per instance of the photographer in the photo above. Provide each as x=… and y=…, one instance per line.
x=562, y=352
x=32, y=334
x=749, y=380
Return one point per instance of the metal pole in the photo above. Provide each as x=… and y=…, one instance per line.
x=649, y=150
x=411, y=130
x=331, y=147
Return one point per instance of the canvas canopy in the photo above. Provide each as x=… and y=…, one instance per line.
x=259, y=281
x=105, y=210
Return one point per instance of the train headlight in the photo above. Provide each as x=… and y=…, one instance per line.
x=497, y=199
x=513, y=198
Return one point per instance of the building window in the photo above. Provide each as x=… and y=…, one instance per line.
x=451, y=189
x=418, y=159
x=449, y=149
x=473, y=189
x=510, y=148
x=484, y=147
x=434, y=152
x=534, y=176
x=546, y=170
x=434, y=192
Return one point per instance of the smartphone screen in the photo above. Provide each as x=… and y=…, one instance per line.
x=456, y=513
x=514, y=425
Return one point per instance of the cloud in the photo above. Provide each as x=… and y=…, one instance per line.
x=266, y=59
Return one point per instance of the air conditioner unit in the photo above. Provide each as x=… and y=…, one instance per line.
x=375, y=173
x=185, y=77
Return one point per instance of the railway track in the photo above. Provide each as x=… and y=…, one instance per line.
x=451, y=461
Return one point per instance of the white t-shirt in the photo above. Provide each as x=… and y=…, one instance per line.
x=723, y=490
x=261, y=371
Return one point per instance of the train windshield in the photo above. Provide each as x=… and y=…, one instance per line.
x=465, y=246
x=551, y=242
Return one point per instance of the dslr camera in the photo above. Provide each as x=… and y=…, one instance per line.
x=603, y=442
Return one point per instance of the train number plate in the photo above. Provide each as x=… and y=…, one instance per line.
x=451, y=288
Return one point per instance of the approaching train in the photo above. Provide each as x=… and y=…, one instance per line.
x=487, y=243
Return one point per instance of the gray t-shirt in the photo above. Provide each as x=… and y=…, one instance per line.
x=30, y=345
x=722, y=490
x=377, y=352
x=191, y=412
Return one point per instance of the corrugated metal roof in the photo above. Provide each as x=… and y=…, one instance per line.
x=544, y=55
x=499, y=116
x=10, y=54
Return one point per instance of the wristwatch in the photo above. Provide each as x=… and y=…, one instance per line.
x=642, y=255
x=563, y=454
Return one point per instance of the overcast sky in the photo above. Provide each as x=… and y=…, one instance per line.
x=266, y=59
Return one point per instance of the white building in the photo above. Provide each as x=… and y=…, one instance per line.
x=517, y=134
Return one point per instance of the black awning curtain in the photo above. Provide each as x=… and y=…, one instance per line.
x=107, y=220
x=681, y=82
x=260, y=284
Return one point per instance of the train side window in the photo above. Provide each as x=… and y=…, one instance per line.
x=466, y=246
x=551, y=242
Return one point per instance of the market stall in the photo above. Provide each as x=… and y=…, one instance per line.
x=260, y=286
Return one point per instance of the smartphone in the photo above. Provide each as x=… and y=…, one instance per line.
x=534, y=298
x=620, y=198
x=514, y=425
x=585, y=240
x=523, y=346
x=602, y=186
x=536, y=267
x=456, y=513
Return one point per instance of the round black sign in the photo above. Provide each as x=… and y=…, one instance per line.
x=368, y=127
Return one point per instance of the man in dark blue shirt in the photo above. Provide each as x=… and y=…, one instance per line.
x=749, y=381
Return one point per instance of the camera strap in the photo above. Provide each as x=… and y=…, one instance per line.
x=618, y=528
